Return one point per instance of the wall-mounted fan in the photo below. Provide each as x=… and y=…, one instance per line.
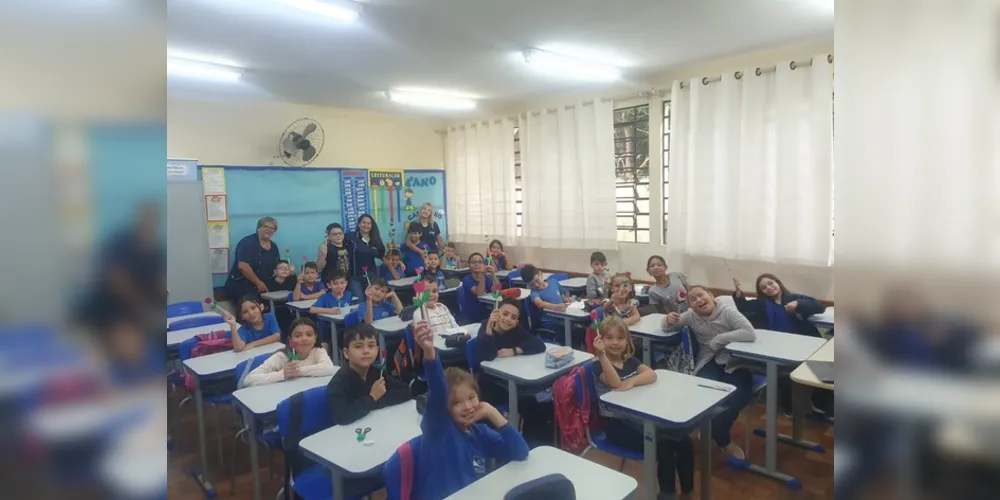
x=301, y=142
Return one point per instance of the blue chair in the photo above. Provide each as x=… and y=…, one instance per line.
x=461, y=295
x=183, y=324
x=535, y=318
x=474, y=362
x=398, y=482
x=352, y=320
x=515, y=274
x=184, y=308
x=267, y=437
x=225, y=398
x=557, y=277
x=585, y=382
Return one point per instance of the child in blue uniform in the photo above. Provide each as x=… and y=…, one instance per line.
x=380, y=303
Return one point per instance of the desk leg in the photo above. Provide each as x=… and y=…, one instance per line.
x=334, y=344
x=907, y=462
x=298, y=314
x=254, y=462
x=512, y=413
x=800, y=394
x=568, y=329
x=771, y=437
x=201, y=476
x=338, y=485
x=647, y=352
x=270, y=304
x=649, y=480
x=706, y=459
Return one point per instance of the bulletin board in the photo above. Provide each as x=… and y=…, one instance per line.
x=305, y=201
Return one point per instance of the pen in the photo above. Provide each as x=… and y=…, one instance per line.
x=707, y=386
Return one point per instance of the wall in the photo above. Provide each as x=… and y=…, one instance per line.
x=247, y=133
x=632, y=257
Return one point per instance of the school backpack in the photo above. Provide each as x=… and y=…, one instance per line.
x=206, y=343
x=399, y=472
x=572, y=411
x=408, y=362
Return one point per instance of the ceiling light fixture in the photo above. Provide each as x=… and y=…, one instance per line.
x=205, y=58
x=570, y=66
x=340, y=10
x=430, y=99
x=196, y=69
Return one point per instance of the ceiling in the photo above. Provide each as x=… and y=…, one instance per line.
x=468, y=46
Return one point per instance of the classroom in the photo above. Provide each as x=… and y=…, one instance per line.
x=573, y=249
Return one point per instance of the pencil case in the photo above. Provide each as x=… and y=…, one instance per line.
x=558, y=357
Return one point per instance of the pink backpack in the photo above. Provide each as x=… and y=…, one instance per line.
x=208, y=343
x=572, y=411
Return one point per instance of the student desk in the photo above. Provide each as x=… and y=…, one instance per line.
x=402, y=283
x=650, y=329
x=590, y=480
x=574, y=313
x=777, y=349
x=528, y=371
x=338, y=449
x=459, y=273
x=471, y=329
x=333, y=319
x=392, y=326
x=262, y=400
x=578, y=285
x=677, y=402
x=212, y=365
x=301, y=306
x=276, y=296
x=502, y=276
x=803, y=375
x=823, y=320
x=207, y=314
x=488, y=299
x=175, y=337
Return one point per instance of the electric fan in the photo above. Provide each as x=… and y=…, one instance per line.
x=301, y=142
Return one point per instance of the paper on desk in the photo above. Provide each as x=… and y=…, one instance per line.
x=575, y=305
x=453, y=331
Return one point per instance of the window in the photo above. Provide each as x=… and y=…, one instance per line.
x=632, y=173
x=518, y=204
x=666, y=165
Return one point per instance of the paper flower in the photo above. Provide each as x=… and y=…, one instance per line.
x=596, y=317
x=420, y=287
x=364, y=269
x=292, y=354
x=211, y=303
x=288, y=251
x=419, y=271
x=682, y=294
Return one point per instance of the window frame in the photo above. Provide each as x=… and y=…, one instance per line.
x=632, y=137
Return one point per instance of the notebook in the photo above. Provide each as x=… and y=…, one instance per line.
x=822, y=369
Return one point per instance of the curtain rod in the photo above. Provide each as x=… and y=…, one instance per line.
x=760, y=71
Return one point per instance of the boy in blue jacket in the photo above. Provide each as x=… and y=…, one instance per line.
x=456, y=446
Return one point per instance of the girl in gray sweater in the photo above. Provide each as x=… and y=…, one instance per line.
x=713, y=325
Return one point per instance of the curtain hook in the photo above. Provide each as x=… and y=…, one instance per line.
x=704, y=81
x=758, y=72
x=791, y=65
x=738, y=75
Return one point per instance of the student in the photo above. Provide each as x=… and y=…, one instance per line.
x=432, y=265
x=284, y=278
x=780, y=310
x=258, y=328
x=621, y=371
x=391, y=268
x=438, y=316
x=430, y=233
x=334, y=300
x=597, y=281
x=714, y=324
x=499, y=256
x=364, y=246
x=502, y=335
x=450, y=258
x=380, y=302
x=415, y=250
x=621, y=304
x=457, y=445
x=333, y=255
x=309, y=286
x=669, y=292
x=545, y=295
x=482, y=279
x=358, y=390
x=311, y=361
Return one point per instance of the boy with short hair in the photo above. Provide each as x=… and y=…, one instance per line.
x=450, y=258
x=333, y=255
x=596, y=282
x=309, y=286
x=392, y=268
x=545, y=295
x=284, y=278
x=414, y=251
x=360, y=389
x=380, y=302
x=334, y=300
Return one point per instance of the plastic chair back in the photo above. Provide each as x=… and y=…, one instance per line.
x=243, y=368
x=399, y=473
x=184, y=308
x=470, y=355
x=183, y=324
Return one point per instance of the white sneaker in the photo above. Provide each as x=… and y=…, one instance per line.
x=733, y=450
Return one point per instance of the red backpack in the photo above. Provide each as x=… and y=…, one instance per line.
x=572, y=410
x=208, y=343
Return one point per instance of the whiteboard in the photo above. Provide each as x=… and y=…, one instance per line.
x=188, y=274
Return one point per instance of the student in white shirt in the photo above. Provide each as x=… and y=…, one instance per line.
x=439, y=318
x=301, y=359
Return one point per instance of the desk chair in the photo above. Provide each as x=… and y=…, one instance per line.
x=585, y=382
x=183, y=324
x=219, y=393
x=515, y=274
x=474, y=362
x=557, y=277
x=184, y=308
x=266, y=437
x=401, y=469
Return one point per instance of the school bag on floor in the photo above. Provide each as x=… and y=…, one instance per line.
x=208, y=343
x=572, y=411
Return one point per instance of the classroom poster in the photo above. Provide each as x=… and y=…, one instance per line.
x=215, y=208
x=213, y=180
x=385, y=188
x=355, y=199
x=424, y=186
x=218, y=259
x=218, y=235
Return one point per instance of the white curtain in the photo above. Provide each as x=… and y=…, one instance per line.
x=479, y=161
x=751, y=174
x=567, y=168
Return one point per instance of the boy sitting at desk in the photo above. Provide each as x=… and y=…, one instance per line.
x=309, y=286
x=360, y=389
x=380, y=302
x=334, y=300
x=545, y=296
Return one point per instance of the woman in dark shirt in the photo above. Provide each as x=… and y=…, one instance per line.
x=363, y=247
x=256, y=257
x=430, y=232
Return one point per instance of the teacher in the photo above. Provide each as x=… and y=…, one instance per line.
x=256, y=257
x=363, y=247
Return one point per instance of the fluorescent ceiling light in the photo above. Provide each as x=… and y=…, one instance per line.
x=430, y=99
x=340, y=10
x=195, y=69
x=205, y=58
x=570, y=66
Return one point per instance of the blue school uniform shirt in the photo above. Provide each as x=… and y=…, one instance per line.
x=551, y=294
x=413, y=260
x=381, y=310
x=384, y=273
x=459, y=457
x=328, y=300
x=248, y=334
x=474, y=310
x=316, y=287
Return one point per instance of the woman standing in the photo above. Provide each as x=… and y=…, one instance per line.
x=430, y=232
x=256, y=257
x=363, y=247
